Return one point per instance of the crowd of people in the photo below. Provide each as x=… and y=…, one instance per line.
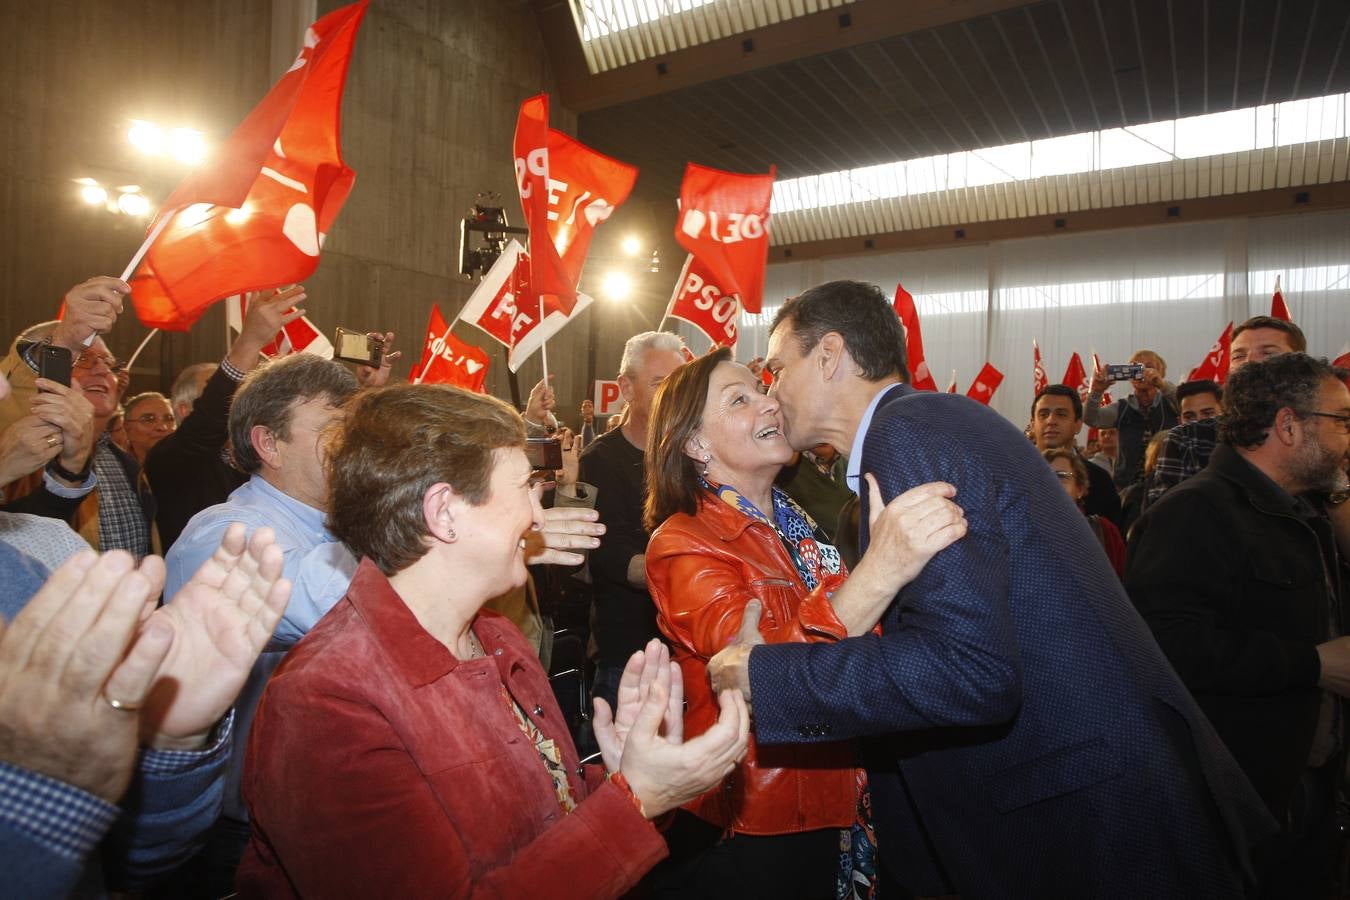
x=282, y=632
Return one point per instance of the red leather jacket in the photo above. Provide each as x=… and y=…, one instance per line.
x=702, y=570
x=379, y=765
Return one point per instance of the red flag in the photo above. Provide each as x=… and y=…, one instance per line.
x=566, y=190
x=448, y=360
x=1343, y=361
x=1215, y=366
x=256, y=216
x=1038, y=380
x=1076, y=377
x=724, y=221
x=951, y=386
x=505, y=307
x=299, y=336
x=1278, y=309
x=700, y=302
x=982, y=389
x=919, y=376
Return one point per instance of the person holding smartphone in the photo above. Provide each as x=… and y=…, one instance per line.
x=1149, y=409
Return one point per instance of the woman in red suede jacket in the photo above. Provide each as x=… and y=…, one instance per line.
x=410, y=746
x=783, y=824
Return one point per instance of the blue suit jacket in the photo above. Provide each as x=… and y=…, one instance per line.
x=1029, y=739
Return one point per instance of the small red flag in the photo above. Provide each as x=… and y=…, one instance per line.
x=256, y=216
x=919, y=376
x=1278, y=308
x=982, y=389
x=1215, y=366
x=1039, y=381
x=299, y=336
x=448, y=360
x=699, y=301
x=724, y=221
x=1076, y=377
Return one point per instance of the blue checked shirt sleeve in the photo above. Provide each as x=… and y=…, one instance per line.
x=174, y=798
x=47, y=830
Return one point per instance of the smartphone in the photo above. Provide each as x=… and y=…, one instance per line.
x=54, y=363
x=358, y=347
x=1125, y=372
x=544, y=453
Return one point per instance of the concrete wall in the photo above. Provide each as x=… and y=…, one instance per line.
x=428, y=117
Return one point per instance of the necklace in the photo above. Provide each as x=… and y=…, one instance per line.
x=475, y=647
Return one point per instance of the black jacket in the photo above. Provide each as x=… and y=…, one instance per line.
x=1235, y=576
x=186, y=470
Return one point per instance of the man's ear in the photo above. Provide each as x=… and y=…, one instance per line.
x=440, y=505
x=830, y=354
x=265, y=445
x=1284, y=426
x=626, y=388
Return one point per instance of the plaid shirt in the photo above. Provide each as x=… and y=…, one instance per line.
x=1183, y=453
x=70, y=821
x=121, y=519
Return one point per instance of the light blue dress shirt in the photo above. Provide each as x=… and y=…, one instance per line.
x=853, y=476
x=319, y=566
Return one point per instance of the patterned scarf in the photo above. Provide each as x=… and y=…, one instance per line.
x=801, y=537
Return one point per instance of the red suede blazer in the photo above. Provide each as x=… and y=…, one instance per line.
x=381, y=766
x=702, y=571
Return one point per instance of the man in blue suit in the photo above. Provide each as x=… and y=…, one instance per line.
x=1026, y=736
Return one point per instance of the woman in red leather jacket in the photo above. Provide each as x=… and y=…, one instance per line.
x=788, y=822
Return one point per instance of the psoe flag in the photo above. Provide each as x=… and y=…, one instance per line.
x=699, y=301
x=255, y=216
x=448, y=360
x=724, y=221
x=919, y=374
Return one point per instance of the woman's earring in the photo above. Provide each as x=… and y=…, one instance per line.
x=451, y=535
x=706, y=458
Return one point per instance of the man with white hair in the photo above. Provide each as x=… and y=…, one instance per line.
x=625, y=617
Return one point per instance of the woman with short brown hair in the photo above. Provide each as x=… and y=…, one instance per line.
x=723, y=538
x=410, y=744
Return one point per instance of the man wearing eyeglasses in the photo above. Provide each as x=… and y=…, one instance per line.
x=1237, y=572
x=117, y=514
x=149, y=420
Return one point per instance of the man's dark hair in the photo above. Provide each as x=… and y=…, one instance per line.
x=1259, y=390
x=861, y=314
x=1060, y=390
x=1202, y=386
x=1297, y=342
x=270, y=393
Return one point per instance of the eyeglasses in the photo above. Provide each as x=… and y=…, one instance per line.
x=151, y=419
x=89, y=359
x=1063, y=476
x=1342, y=418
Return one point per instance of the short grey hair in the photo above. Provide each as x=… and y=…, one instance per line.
x=186, y=387
x=639, y=345
x=270, y=393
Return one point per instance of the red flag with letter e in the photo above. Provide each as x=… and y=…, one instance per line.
x=919, y=376
x=982, y=389
x=505, y=307
x=448, y=360
x=724, y=221
x=300, y=336
x=1215, y=366
x=699, y=301
x=566, y=190
x=1076, y=377
x=1278, y=308
x=1039, y=381
x=255, y=216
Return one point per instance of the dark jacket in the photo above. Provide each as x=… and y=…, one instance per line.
x=1228, y=570
x=702, y=571
x=185, y=469
x=1032, y=740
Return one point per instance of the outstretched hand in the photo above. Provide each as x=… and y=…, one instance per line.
x=220, y=621
x=729, y=669
x=645, y=669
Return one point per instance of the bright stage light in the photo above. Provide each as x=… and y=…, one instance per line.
x=188, y=145
x=93, y=195
x=617, y=286
x=133, y=204
x=632, y=245
x=146, y=137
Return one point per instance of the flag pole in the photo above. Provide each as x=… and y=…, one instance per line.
x=131, y=362
x=543, y=345
x=442, y=340
x=136, y=261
